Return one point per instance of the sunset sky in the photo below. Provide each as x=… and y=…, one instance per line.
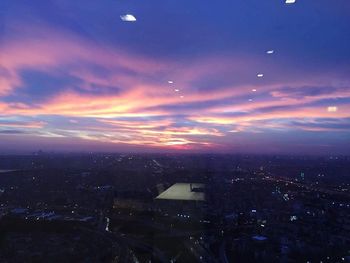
x=257, y=76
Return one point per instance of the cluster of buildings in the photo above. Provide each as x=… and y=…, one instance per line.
x=179, y=208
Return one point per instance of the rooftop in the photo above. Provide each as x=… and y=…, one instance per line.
x=182, y=191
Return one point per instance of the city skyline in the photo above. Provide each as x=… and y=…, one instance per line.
x=259, y=77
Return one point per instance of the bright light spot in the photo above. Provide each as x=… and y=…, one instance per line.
x=332, y=109
x=128, y=18
x=290, y=1
x=170, y=81
x=181, y=96
x=176, y=90
x=293, y=218
x=254, y=90
x=250, y=100
x=260, y=75
x=270, y=51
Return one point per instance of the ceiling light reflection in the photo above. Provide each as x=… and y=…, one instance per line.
x=290, y=1
x=332, y=109
x=128, y=18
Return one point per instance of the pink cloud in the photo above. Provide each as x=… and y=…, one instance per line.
x=137, y=87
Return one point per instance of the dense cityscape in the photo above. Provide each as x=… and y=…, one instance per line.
x=119, y=208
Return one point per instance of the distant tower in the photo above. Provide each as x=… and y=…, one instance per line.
x=302, y=176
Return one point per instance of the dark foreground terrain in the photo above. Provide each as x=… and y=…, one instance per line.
x=103, y=208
